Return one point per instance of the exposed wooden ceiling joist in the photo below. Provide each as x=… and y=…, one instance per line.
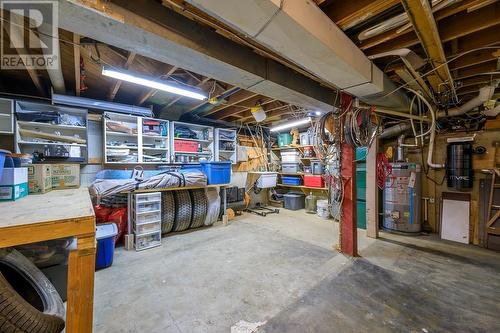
x=175, y=100
x=474, y=58
x=420, y=14
x=168, y=70
x=114, y=89
x=234, y=99
x=347, y=14
x=243, y=106
x=76, y=60
x=450, y=28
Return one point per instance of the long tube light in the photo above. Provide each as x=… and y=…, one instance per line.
x=291, y=124
x=137, y=79
x=89, y=103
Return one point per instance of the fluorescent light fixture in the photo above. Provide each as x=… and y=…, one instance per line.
x=137, y=79
x=291, y=124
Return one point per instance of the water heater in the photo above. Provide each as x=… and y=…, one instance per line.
x=402, y=197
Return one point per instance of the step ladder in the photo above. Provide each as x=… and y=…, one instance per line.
x=493, y=222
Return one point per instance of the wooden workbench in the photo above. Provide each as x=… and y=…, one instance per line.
x=59, y=214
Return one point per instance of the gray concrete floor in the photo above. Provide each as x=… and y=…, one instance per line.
x=283, y=270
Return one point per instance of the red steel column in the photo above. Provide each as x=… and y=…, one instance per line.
x=348, y=225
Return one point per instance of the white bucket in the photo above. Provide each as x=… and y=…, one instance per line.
x=322, y=209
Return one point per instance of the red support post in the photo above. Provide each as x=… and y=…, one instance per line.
x=348, y=225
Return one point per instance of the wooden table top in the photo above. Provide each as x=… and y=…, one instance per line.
x=54, y=206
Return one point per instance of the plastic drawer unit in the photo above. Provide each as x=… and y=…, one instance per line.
x=146, y=220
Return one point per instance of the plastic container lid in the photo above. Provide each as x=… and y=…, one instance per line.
x=106, y=230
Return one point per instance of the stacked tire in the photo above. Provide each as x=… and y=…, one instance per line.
x=167, y=212
x=183, y=210
x=199, y=208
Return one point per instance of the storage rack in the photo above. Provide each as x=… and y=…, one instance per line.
x=226, y=145
x=138, y=145
x=30, y=143
x=146, y=220
x=203, y=137
x=303, y=161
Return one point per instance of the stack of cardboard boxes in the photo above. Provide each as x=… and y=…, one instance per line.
x=16, y=183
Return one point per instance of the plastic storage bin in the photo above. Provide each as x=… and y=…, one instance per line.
x=3, y=153
x=105, y=236
x=267, y=180
x=294, y=201
x=217, y=172
x=145, y=228
x=147, y=217
x=290, y=167
x=290, y=157
x=291, y=180
x=314, y=181
x=284, y=139
x=147, y=241
x=186, y=146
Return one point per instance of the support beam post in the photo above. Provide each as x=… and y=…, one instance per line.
x=348, y=229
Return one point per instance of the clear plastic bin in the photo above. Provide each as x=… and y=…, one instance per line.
x=141, y=229
x=148, y=217
x=147, y=197
x=147, y=206
x=143, y=242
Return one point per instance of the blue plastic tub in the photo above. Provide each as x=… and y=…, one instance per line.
x=105, y=236
x=3, y=153
x=217, y=172
x=291, y=180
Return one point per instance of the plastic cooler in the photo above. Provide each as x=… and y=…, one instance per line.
x=105, y=236
x=186, y=146
x=314, y=181
x=217, y=172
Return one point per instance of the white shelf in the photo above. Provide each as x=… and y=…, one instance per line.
x=51, y=143
x=47, y=125
x=111, y=133
x=122, y=147
x=225, y=154
x=195, y=153
x=154, y=136
x=197, y=140
x=227, y=151
x=150, y=148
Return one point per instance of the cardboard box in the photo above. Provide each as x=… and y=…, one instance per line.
x=39, y=178
x=65, y=176
x=14, y=184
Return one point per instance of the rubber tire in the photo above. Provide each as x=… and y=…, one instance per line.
x=167, y=212
x=199, y=208
x=182, y=210
x=19, y=316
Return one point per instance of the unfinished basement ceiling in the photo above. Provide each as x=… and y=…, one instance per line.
x=269, y=78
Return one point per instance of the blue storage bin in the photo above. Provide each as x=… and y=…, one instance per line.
x=291, y=180
x=3, y=153
x=217, y=172
x=105, y=236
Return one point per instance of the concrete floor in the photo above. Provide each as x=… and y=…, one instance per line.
x=282, y=270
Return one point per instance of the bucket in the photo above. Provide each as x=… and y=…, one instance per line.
x=3, y=153
x=322, y=209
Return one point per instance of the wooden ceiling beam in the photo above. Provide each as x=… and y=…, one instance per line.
x=450, y=28
x=486, y=37
x=168, y=70
x=224, y=91
x=232, y=100
x=474, y=58
x=422, y=19
x=242, y=107
x=76, y=60
x=116, y=86
x=473, y=71
x=347, y=14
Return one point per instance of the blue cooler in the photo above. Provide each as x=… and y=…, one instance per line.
x=105, y=236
